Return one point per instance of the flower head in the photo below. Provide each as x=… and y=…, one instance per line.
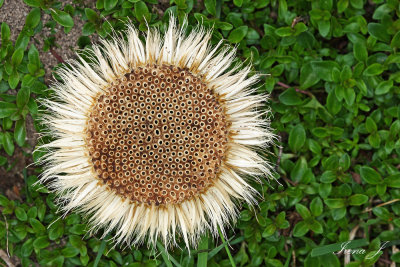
x=152, y=139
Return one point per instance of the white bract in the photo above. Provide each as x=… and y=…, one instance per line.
x=70, y=164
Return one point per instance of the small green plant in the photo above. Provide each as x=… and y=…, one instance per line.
x=21, y=76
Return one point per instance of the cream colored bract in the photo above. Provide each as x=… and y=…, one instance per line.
x=153, y=139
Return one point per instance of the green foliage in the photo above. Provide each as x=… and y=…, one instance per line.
x=332, y=69
x=21, y=74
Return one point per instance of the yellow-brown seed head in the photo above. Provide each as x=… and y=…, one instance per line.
x=158, y=135
x=151, y=139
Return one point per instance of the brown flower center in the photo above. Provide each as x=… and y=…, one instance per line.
x=157, y=135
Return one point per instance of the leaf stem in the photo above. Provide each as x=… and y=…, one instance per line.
x=284, y=85
x=166, y=256
x=56, y=55
x=226, y=248
x=100, y=251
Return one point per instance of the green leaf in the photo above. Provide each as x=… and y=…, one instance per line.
x=315, y=226
x=100, y=252
x=23, y=97
x=370, y=125
x=300, y=229
x=13, y=79
x=370, y=176
x=269, y=230
x=17, y=57
x=373, y=69
x=33, y=56
x=27, y=248
x=345, y=74
x=328, y=177
x=91, y=15
x=308, y=77
x=142, y=12
x=372, y=257
x=395, y=43
x=37, y=226
x=5, y=32
x=334, y=203
x=55, y=233
x=238, y=34
x=202, y=257
x=311, y=261
x=238, y=3
x=110, y=4
x=360, y=51
x=116, y=256
x=384, y=87
x=382, y=213
x=32, y=3
x=41, y=211
x=3, y=161
x=393, y=180
x=225, y=26
x=88, y=29
x=362, y=86
x=284, y=31
x=22, y=41
x=316, y=206
x=33, y=18
x=211, y=6
x=381, y=11
x=20, y=132
x=314, y=146
x=378, y=31
x=70, y=252
x=76, y=241
x=299, y=169
x=8, y=143
x=332, y=103
x=165, y=252
x=41, y=242
x=63, y=18
x=21, y=214
x=245, y=215
x=100, y=4
x=357, y=199
x=344, y=162
x=32, y=106
x=297, y=138
x=374, y=139
x=38, y=87
x=338, y=214
x=303, y=211
x=290, y=97
x=359, y=4
x=7, y=123
x=57, y=261
x=280, y=219
x=4, y=201
x=77, y=229
x=7, y=109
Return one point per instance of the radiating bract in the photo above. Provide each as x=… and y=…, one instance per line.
x=152, y=140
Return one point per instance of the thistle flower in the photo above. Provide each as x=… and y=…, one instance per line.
x=152, y=139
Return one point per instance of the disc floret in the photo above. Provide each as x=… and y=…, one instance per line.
x=157, y=135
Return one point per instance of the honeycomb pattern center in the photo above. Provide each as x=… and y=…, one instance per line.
x=157, y=135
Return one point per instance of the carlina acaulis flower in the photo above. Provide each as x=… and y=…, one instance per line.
x=152, y=139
